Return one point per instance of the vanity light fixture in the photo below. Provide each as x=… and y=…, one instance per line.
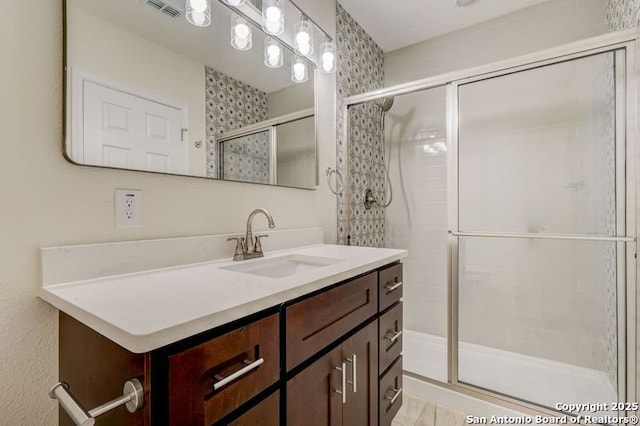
x=199, y=12
x=273, y=53
x=299, y=71
x=235, y=3
x=303, y=38
x=240, y=33
x=273, y=17
x=328, y=56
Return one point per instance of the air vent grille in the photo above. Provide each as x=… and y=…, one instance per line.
x=165, y=8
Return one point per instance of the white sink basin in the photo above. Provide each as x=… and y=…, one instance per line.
x=281, y=267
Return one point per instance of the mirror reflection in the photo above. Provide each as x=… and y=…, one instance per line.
x=146, y=90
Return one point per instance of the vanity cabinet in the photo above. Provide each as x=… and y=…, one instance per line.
x=328, y=358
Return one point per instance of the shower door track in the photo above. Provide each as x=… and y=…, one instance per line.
x=627, y=263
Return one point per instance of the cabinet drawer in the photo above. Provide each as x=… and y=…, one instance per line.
x=316, y=322
x=210, y=380
x=391, y=393
x=390, y=335
x=266, y=413
x=390, y=285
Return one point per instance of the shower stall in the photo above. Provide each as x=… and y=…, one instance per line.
x=514, y=191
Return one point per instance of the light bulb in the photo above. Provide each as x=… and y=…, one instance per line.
x=298, y=71
x=303, y=37
x=328, y=57
x=242, y=31
x=198, y=5
x=328, y=60
x=273, y=13
x=272, y=53
x=272, y=17
x=303, y=41
x=198, y=12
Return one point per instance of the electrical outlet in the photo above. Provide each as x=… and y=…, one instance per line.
x=128, y=205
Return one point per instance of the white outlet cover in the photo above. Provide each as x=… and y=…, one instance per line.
x=128, y=208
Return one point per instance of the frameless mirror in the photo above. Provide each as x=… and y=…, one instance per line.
x=146, y=90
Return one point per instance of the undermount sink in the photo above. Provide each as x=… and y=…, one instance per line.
x=285, y=266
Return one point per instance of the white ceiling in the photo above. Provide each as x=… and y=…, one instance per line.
x=399, y=23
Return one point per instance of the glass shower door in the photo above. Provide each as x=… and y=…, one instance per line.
x=539, y=232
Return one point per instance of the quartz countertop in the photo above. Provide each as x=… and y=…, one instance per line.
x=147, y=310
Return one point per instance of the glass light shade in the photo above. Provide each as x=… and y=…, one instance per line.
x=299, y=70
x=328, y=57
x=303, y=37
x=273, y=53
x=272, y=17
x=198, y=12
x=235, y=3
x=240, y=33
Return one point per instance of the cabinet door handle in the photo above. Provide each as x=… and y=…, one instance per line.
x=354, y=372
x=343, y=382
x=394, y=398
x=393, y=336
x=241, y=372
x=391, y=287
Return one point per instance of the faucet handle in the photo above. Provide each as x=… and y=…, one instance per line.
x=258, y=246
x=239, y=245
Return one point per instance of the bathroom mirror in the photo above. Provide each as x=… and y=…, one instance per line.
x=147, y=90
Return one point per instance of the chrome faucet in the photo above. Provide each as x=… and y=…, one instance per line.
x=249, y=247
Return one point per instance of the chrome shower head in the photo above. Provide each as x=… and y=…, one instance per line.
x=384, y=104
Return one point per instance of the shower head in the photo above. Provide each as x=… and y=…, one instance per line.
x=384, y=104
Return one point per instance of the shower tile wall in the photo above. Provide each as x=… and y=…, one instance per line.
x=416, y=123
x=231, y=104
x=360, y=69
x=620, y=15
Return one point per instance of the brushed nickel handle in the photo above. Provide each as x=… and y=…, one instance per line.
x=132, y=397
x=394, y=398
x=393, y=336
x=236, y=374
x=354, y=372
x=343, y=390
x=392, y=287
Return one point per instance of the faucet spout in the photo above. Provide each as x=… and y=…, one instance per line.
x=249, y=240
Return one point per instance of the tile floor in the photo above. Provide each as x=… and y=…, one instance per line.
x=416, y=411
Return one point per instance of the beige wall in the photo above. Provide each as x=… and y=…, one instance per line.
x=98, y=49
x=47, y=201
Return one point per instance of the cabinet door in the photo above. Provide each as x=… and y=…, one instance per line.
x=361, y=353
x=312, y=395
x=266, y=413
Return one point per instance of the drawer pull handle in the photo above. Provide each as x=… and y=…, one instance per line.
x=394, y=398
x=241, y=372
x=391, y=287
x=354, y=372
x=343, y=380
x=392, y=337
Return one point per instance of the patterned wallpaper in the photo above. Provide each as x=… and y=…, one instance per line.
x=622, y=14
x=360, y=69
x=231, y=104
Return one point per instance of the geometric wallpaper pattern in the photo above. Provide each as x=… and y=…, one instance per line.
x=359, y=69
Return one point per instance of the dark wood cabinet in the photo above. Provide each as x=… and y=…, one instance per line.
x=340, y=388
x=323, y=359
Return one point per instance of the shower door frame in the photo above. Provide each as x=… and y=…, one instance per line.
x=628, y=265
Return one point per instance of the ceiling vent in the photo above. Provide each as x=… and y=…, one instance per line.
x=165, y=8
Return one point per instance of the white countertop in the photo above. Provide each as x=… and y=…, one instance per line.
x=144, y=311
